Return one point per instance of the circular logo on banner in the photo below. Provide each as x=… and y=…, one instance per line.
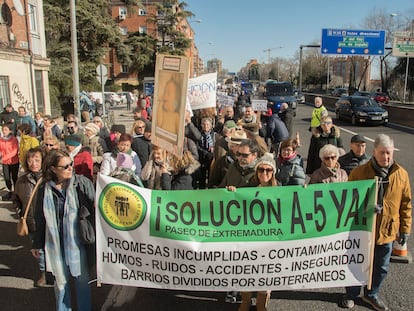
x=122, y=207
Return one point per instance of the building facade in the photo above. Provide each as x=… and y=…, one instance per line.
x=23, y=62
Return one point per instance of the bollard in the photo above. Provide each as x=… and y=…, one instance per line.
x=400, y=253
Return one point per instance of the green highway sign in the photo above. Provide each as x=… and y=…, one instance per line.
x=403, y=45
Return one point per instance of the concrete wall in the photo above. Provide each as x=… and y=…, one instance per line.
x=398, y=114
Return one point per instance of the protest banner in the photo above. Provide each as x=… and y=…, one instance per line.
x=171, y=80
x=202, y=91
x=262, y=238
x=259, y=104
x=225, y=100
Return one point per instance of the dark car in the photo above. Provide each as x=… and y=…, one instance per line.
x=360, y=109
x=339, y=91
x=381, y=97
x=364, y=93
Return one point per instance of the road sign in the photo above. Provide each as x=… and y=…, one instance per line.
x=403, y=45
x=353, y=42
x=101, y=71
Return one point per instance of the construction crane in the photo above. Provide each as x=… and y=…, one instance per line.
x=271, y=49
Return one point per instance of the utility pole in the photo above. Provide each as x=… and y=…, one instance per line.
x=268, y=56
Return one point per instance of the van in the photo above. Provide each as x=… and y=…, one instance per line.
x=277, y=93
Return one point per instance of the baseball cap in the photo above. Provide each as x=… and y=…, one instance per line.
x=358, y=139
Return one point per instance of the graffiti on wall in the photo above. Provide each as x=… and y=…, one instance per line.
x=19, y=99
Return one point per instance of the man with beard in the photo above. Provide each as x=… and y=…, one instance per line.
x=240, y=172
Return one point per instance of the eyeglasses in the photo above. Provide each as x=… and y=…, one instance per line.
x=330, y=158
x=71, y=128
x=49, y=145
x=243, y=155
x=66, y=166
x=263, y=170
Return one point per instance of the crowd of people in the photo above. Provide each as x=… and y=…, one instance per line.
x=231, y=147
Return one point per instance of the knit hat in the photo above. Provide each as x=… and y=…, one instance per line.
x=73, y=140
x=236, y=137
x=120, y=128
x=148, y=126
x=92, y=127
x=267, y=159
x=124, y=160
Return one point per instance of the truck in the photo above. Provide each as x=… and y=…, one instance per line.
x=276, y=93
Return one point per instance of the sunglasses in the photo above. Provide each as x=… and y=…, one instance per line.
x=243, y=155
x=267, y=170
x=329, y=158
x=49, y=145
x=140, y=127
x=66, y=166
x=71, y=128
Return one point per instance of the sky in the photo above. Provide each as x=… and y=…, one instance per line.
x=237, y=31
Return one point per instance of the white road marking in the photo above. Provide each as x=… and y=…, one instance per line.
x=366, y=137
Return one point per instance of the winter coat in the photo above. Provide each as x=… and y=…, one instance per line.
x=290, y=172
x=27, y=119
x=109, y=162
x=9, y=150
x=349, y=161
x=181, y=180
x=238, y=176
x=83, y=163
x=26, y=142
x=395, y=216
x=318, y=140
x=326, y=175
x=287, y=117
x=98, y=148
x=23, y=189
x=9, y=118
x=142, y=147
x=219, y=170
x=276, y=129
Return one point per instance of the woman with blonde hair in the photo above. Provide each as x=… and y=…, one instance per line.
x=152, y=170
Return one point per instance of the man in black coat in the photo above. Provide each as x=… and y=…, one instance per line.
x=286, y=115
x=356, y=156
x=9, y=116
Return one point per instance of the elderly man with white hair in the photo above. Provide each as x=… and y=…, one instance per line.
x=393, y=216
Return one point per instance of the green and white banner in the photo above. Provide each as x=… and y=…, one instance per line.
x=264, y=238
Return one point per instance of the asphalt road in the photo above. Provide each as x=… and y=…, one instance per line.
x=18, y=269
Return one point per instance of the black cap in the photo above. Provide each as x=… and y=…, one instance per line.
x=358, y=139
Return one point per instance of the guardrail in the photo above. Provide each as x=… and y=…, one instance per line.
x=398, y=113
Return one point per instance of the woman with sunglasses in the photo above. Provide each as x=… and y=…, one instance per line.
x=56, y=215
x=265, y=170
x=330, y=170
x=50, y=143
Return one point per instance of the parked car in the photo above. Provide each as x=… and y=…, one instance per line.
x=299, y=96
x=360, y=109
x=339, y=91
x=113, y=98
x=381, y=97
x=364, y=93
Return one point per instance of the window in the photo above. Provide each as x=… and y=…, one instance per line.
x=122, y=13
x=142, y=29
x=40, y=96
x=123, y=30
x=124, y=68
x=4, y=91
x=32, y=18
x=142, y=12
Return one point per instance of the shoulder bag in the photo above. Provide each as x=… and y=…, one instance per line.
x=22, y=228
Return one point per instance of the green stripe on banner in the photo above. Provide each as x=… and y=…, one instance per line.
x=263, y=213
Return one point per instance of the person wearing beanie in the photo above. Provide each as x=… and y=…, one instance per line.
x=81, y=156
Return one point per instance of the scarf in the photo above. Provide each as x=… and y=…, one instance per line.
x=58, y=256
x=151, y=173
x=285, y=159
x=207, y=142
x=382, y=173
x=75, y=152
